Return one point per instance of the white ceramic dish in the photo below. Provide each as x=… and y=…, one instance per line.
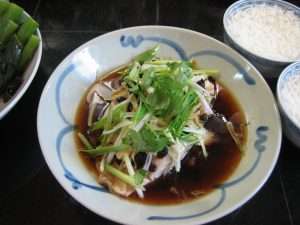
x=67, y=84
x=269, y=67
x=290, y=126
x=27, y=76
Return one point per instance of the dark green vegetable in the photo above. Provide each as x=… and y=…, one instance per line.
x=3, y=6
x=146, y=140
x=165, y=100
x=9, y=58
x=17, y=46
x=7, y=31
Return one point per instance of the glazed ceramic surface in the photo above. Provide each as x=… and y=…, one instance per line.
x=70, y=80
x=290, y=126
x=269, y=67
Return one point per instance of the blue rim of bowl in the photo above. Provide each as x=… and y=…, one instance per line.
x=280, y=3
x=278, y=92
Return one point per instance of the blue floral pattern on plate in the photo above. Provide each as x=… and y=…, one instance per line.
x=135, y=42
x=126, y=41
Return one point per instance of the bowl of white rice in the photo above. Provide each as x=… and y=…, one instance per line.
x=267, y=32
x=288, y=96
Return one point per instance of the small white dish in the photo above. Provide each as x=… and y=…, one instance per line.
x=70, y=80
x=27, y=77
x=270, y=68
x=291, y=125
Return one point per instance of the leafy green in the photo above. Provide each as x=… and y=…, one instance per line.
x=146, y=140
x=163, y=90
x=189, y=102
x=165, y=100
x=160, y=87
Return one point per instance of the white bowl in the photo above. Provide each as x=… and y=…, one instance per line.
x=291, y=127
x=27, y=77
x=67, y=84
x=269, y=67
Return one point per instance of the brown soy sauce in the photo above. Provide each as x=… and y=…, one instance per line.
x=198, y=175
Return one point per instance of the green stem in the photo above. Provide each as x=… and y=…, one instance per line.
x=147, y=55
x=14, y=13
x=100, y=150
x=209, y=72
x=85, y=141
x=26, y=30
x=3, y=6
x=121, y=175
x=8, y=30
x=28, y=51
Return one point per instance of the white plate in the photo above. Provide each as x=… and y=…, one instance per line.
x=74, y=75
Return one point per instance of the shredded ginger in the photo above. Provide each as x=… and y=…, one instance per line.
x=268, y=31
x=291, y=97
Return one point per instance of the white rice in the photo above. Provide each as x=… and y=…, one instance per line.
x=268, y=31
x=291, y=97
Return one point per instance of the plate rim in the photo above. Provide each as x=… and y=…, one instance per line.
x=187, y=222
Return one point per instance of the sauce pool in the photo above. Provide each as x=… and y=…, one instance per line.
x=198, y=175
